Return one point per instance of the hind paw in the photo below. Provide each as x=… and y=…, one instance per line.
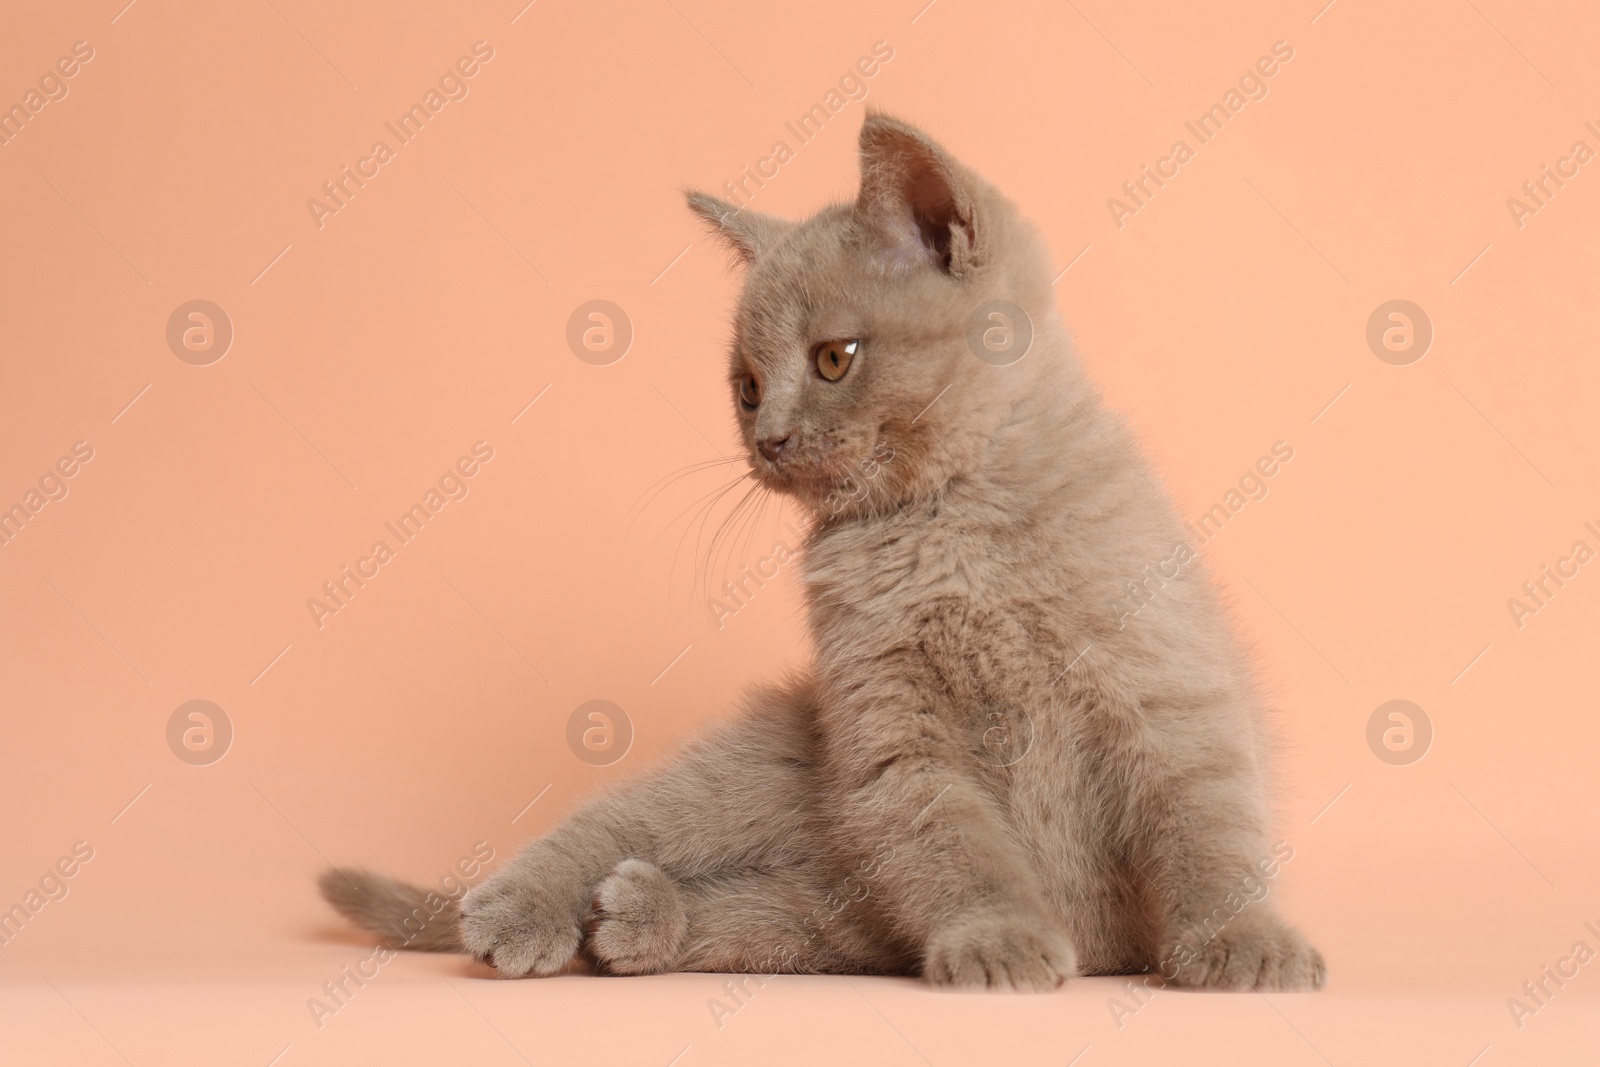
x=638, y=921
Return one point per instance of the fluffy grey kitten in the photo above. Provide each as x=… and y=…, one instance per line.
x=993, y=772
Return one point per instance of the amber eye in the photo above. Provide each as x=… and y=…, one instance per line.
x=833, y=358
x=750, y=392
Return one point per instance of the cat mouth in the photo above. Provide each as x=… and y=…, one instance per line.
x=828, y=485
x=792, y=473
x=791, y=476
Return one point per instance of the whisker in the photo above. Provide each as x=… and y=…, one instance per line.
x=719, y=534
x=662, y=484
x=702, y=515
x=697, y=505
x=719, y=537
x=752, y=523
x=754, y=526
x=742, y=530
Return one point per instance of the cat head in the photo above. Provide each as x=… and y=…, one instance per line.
x=879, y=346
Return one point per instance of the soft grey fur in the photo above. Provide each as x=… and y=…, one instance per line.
x=989, y=775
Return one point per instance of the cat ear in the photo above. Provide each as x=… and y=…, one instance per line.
x=918, y=196
x=747, y=233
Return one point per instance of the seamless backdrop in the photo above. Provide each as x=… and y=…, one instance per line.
x=284, y=281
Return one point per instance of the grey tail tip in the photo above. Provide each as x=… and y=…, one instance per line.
x=401, y=914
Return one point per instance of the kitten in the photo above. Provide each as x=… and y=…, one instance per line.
x=992, y=773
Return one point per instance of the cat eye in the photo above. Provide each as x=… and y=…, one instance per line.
x=749, y=392
x=834, y=357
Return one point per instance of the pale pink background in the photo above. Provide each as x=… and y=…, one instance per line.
x=370, y=353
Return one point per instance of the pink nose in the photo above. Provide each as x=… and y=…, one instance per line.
x=772, y=447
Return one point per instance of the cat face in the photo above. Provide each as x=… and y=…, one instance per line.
x=852, y=327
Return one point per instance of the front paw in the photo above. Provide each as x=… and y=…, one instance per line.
x=508, y=923
x=1263, y=954
x=994, y=950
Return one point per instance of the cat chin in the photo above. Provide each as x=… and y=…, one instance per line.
x=826, y=493
x=808, y=490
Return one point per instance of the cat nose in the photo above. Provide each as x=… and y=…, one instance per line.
x=772, y=447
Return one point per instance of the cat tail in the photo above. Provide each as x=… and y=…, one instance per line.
x=404, y=915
